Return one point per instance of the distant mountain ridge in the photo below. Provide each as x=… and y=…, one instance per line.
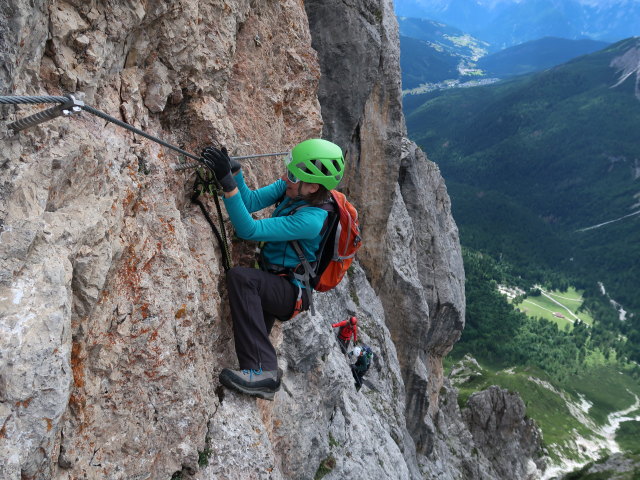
x=536, y=55
x=443, y=36
x=421, y=62
x=506, y=23
x=432, y=52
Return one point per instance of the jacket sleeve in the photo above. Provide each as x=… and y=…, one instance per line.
x=304, y=224
x=261, y=198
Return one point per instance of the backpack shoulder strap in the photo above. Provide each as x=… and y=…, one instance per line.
x=309, y=272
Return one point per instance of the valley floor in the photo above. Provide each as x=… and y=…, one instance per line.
x=578, y=427
x=594, y=448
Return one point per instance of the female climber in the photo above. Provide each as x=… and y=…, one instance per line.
x=258, y=297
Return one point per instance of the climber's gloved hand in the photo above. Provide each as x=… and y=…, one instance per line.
x=235, y=165
x=219, y=163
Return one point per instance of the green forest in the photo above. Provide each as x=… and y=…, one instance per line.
x=499, y=334
x=531, y=164
x=545, y=364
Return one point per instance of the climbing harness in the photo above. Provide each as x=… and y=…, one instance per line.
x=305, y=272
x=340, y=241
x=69, y=105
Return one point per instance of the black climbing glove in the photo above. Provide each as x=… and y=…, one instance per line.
x=235, y=165
x=220, y=164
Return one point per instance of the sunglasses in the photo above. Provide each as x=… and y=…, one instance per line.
x=290, y=176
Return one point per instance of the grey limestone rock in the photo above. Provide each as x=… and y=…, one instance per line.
x=497, y=421
x=360, y=95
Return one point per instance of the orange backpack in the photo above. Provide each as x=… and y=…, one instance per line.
x=340, y=242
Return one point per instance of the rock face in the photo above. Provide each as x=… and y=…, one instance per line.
x=417, y=270
x=628, y=65
x=113, y=316
x=496, y=419
x=360, y=94
x=491, y=437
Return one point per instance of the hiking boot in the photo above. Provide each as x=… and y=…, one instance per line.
x=259, y=383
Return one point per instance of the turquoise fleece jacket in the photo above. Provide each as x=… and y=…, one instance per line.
x=304, y=225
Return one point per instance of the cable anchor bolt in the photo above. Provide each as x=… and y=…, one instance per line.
x=71, y=107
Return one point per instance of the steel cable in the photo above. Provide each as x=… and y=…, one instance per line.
x=72, y=103
x=38, y=118
x=133, y=129
x=19, y=99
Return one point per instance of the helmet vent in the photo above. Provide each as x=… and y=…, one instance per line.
x=317, y=161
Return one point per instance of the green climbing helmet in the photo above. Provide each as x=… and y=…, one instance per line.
x=316, y=161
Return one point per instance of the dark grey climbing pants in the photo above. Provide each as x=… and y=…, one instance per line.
x=257, y=299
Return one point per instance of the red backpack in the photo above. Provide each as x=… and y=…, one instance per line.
x=340, y=242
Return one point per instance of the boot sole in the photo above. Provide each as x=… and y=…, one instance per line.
x=255, y=392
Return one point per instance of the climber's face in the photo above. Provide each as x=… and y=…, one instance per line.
x=299, y=189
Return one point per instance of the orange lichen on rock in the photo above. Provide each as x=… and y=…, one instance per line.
x=77, y=365
x=182, y=311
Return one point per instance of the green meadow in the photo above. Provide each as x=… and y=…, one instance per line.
x=561, y=308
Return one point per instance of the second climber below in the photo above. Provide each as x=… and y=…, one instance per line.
x=258, y=297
